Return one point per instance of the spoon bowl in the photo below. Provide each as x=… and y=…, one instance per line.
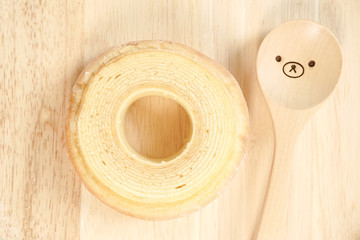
x=299, y=64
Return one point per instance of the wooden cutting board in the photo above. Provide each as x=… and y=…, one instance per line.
x=45, y=45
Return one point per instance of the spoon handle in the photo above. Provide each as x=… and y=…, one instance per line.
x=275, y=219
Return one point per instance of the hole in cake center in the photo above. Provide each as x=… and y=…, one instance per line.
x=157, y=127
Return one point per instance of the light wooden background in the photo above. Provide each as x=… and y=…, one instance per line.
x=44, y=46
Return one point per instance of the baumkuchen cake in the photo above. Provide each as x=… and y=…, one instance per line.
x=129, y=181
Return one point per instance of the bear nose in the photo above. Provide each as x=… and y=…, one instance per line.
x=293, y=68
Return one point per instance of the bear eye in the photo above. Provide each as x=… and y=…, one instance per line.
x=311, y=63
x=278, y=58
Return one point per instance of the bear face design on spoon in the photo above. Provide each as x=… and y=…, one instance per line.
x=293, y=69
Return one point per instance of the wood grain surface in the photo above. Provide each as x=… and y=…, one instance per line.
x=45, y=45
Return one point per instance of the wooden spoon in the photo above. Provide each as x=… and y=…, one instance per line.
x=298, y=66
